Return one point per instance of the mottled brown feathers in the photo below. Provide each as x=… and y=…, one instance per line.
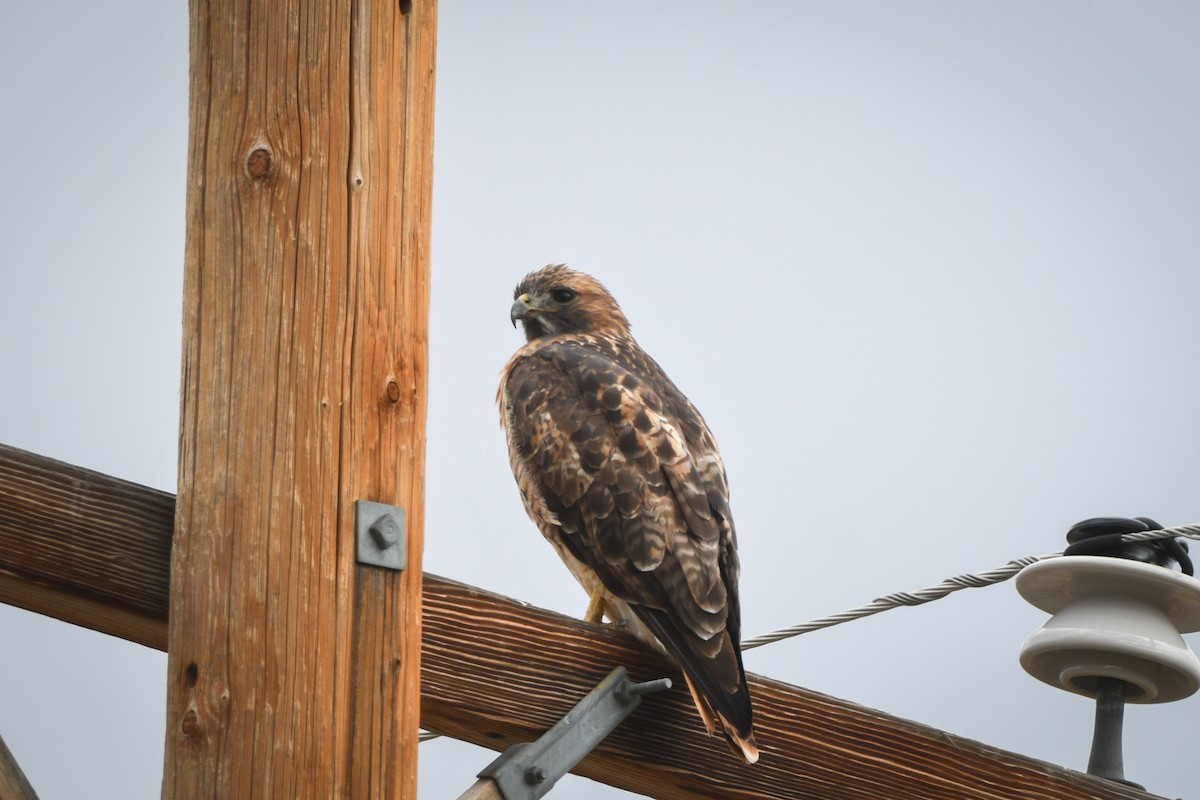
x=622, y=476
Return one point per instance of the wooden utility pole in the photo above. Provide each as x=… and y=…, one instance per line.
x=293, y=671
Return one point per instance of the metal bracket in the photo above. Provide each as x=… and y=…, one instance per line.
x=380, y=533
x=529, y=771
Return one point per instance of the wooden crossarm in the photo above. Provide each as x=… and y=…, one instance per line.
x=93, y=550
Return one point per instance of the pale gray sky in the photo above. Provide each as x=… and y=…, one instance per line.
x=930, y=270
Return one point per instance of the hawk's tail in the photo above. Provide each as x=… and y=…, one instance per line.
x=716, y=679
x=742, y=744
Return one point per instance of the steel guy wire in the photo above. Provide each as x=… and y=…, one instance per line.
x=957, y=583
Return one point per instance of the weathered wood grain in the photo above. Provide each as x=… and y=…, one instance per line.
x=496, y=671
x=293, y=671
x=13, y=783
x=83, y=547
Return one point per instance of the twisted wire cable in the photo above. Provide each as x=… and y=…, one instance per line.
x=954, y=584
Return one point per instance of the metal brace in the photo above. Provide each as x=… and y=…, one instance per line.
x=529, y=771
x=380, y=533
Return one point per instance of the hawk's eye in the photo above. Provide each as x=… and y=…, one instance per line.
x=562, y=295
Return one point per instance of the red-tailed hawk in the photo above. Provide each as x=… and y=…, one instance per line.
x=621, y=474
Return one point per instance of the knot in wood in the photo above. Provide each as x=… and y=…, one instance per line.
x=188, y=726
x=259, y=163
x=393, y=391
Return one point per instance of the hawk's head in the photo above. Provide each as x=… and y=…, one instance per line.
x=557, y=299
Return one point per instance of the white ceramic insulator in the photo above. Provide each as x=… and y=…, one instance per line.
x=1113, y=618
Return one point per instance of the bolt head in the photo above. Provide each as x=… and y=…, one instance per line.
x=535, y=775
x=385, y=531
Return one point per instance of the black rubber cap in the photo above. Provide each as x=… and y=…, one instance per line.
x=1101, y=536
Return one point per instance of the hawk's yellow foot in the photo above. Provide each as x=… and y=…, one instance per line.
x=595, y=609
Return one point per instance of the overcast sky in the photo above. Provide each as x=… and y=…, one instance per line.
x=930, y=270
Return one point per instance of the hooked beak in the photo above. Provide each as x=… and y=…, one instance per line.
x=522, y=307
